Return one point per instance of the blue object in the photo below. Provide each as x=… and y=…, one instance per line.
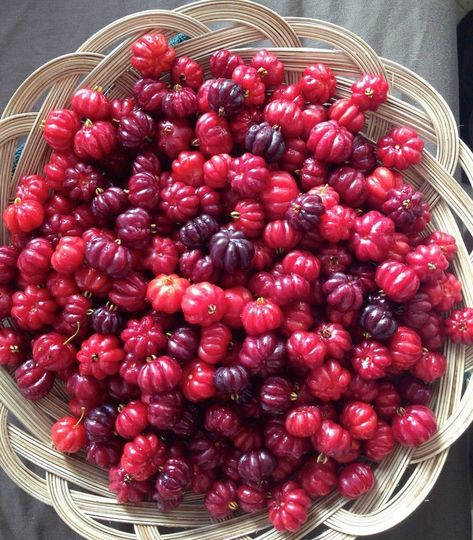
x=16, y=159
x=178, y=38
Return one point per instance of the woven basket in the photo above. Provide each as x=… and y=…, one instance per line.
x=78, y=491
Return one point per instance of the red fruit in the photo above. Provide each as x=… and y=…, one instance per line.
x=248, y=217
x=336, y=223
x=215, y=341
x=203, y=304
x=251, y=498
x=359, y=419
x=276, y=395
x=187, y=72
x=329, y=381
x=355, y=480
x=55, y=171
x=370, y=359
x=162, y=256
x=221, y=419
x=445, y=293
x=263, y=355
x=430, y=367
x=179, y=202
x=332, y=439
x=400, y=148
x=286, y=115
x=34, y=261
x=337, y=340
x=447, y=243
x=278, y=194
x=32, y=187
x=197, y=381
x=214, y=134
x=287, y=288
x=347, y=114
x=11, y=347
x=143, y=337
x=220, y=500
x=303, y=421
x=289, y=506
x=280, y=235
x=318, y=83
x=188, y=168
x=126, y=487
x=248, y=175
x=223, y=63
x=152, y=55
x=91, y=280
x=381, y=444
x=159, y=374
x=398, y=281
x=95, y=140
x=344, y=292
x=379, y=183
x=8, y=264
x=142, y=456
x=330, y=142
x=350, y=184
x=249, y=79
x=413, y=425
x=369, y=92
x=373, y=236
x=302, y=263
x=261, y=316
x=179, y=102
x=399, y=248
x=215, y=170
x=68, y=255
x=363, y=157
x=166, y=292
x=294, y=155
x=100, y=355
x=173, y=136
x=428, y=262
x=318, y=477
x=53, y=352
x=311, y=116
x=405, y=347
x=247, y=438
x=68, y=434
x=269, y=67
x=33, y=308
x=23, y=216
x=91, y=103
x=387, y=400
x=306, y=348
x=108, y=256
x=165, y=409
x=459, y=326
x=60, y=127
x=33, y=381
x=132, y=420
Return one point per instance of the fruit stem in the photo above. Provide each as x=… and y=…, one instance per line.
x=14, y=348
x=235, y=214
x=400, y=411
x=262, y=72
x=233, y=505
x=17, y=200
x=151, y=358
x=212, y=309
x=74, y=335
x=322, y=458
x=82, y=414
x=260, y=301
x=88, y=122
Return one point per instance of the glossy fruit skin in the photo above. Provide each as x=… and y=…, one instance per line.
x=318, y=83
x=100, y=422
x=179, y=102
x=68, y=435
x=261, y=316
x=203, y=304
x=303, y=421
x=446, y=242
x=347, y=114
x=143, y=337
x=369, y=92
x=132, y=420
x=406, y=207
x=355, y=480
x=350, y=184
x=165, y=409
x=215, y=342
x=318, y=478
x=11, y=347
x=159, y=375
x=126, y=487
x=286, y=115
x=266, y=141
x=68, y=255
x=197, y=381
x=269, y=67
x=251, y=498
x=95, y=140
x=34, y=261
x=179, y=202
x=33, y=381
x=360, y=419
x=304, y=212
x=398, y=281
x=371, y=359
x=231, y=379
x=174, y=478
x=248, y=175
x=430, y=367
x=373, y=236
x=279, y=234
x=306, y=348
x=152, y=55
x=263, y=354
x=381, y=444
x=223, y=62
x=166, y=292
x=214, y=134
x=363, y=157
x=336, y=338
x=379, y=183
x=225, y=97
x=413, y=391
x=183, y=343
x=428, y=262
x=444, y=293
x=405, y=347
x=23, y=216
x=256, y=465
x=400, y=148
x=33, y=308
x=459, y=326
x=330, y=142
x=142, y=456
x=220, y=499
x=288, y=508
x=344, y=292
x=108, y=256
x=329, y=381
x=51, y=352
x=276, y=395
x=100, y=356
x=143, y=188
x=222, y=419
x=60, y=128
x=413, y=425
x=32, y=187
x=378, y=321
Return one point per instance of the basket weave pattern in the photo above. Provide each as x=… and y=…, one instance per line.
x=78, y=491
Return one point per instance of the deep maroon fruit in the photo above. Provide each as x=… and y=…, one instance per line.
x=378, y=321
x=355, y=480
x=305, y=211
x=33, y=381
x=100, y=423
x=107, y=320
x=198, y=231
x=266, y=141
x=226, y=97
x=183, y=344
x=231, y=250
x=231, y=380
x=256, y=465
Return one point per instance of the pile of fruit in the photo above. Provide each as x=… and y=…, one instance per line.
x=236, y=287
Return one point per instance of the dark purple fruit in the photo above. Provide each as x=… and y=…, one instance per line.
x=134, y=228
x=165, y=409
x=276, y=395
x=231, y=250
x=304, y=212
x=207, y=453
x=109, y=203
x=100, y=423
x=226, y=97
x=231, y=380
x=104, y=454
x=136, y=129
x=378, y=299
x=344, y=292
x=404, y=206
x=33, y=381
x=183, y=344
x=174, y=478
x=256, y=465
x=413, y=391
x=198, y=231
x=363, y=156
x=378, y=321
x=263, y=355
x=416, y=312
x=107, y=320
x=266, y=141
